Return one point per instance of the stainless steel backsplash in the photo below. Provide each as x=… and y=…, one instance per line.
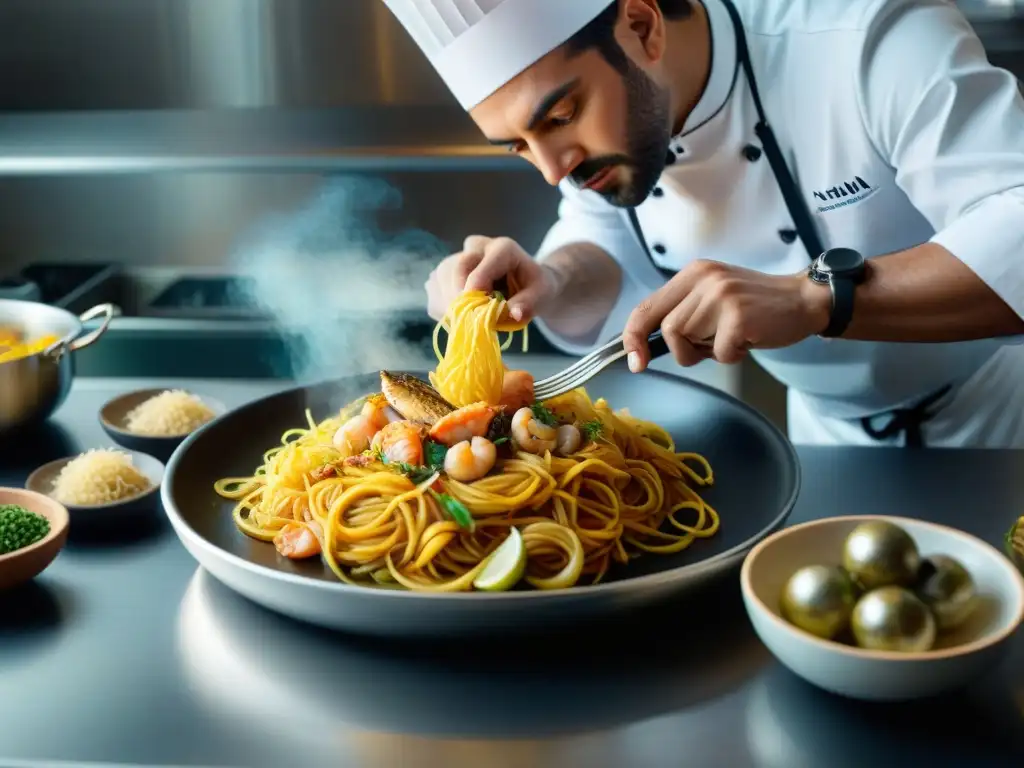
x=205, y=54
x=158, y=132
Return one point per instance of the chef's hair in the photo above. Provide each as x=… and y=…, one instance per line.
x=600, y=33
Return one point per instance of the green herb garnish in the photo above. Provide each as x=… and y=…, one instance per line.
x=455, y=509
x=592, y=429
x=544, y=415
x=434, y=454
x=414, y=473
x=501, y=441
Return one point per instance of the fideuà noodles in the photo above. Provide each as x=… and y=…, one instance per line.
x=375, y=494
x=470, y=369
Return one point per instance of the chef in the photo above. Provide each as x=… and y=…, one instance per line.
x=833, y=187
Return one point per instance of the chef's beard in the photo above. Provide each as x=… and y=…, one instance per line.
x=648, y=135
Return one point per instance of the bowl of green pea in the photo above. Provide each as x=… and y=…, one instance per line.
x=33, y=530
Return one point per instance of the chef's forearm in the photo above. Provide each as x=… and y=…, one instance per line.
x=585, y=283
x=926, y=294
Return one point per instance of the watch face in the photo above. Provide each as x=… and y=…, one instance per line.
x=838, y=261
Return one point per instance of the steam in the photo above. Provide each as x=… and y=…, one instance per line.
x=337, y=287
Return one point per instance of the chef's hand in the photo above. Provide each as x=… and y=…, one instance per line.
x=483, y=262
x=713, y=310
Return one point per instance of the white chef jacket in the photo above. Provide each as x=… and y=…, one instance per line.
x=897, y=131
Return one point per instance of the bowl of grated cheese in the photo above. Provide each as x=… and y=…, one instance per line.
x=157, y=421
x=102, y=485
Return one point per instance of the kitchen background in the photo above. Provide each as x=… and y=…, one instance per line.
x=165, y=154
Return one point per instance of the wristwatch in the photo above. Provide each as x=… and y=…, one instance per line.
x=842, y=269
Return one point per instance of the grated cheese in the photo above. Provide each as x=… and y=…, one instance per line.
x=99, y=477
x=169, y=414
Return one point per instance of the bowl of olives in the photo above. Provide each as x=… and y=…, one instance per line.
x=882, y=608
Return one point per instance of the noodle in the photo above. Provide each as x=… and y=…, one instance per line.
x=471, y=371
x=625, y=491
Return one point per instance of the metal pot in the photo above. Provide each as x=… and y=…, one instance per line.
x=33, y=387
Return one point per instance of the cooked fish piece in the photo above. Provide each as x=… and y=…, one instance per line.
x=413, y=398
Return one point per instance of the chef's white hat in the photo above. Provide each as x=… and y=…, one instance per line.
x=479, y=45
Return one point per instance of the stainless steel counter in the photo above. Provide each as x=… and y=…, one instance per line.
x=123, y=652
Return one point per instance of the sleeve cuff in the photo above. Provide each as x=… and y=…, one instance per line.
x=990, y=240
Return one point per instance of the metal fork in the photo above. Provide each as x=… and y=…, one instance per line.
x=586, y=368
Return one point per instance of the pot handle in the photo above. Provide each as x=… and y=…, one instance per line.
x=107, y=312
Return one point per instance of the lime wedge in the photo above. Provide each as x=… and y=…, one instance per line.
x=505, y=566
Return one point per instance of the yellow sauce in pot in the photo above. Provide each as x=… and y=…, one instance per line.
x=13, y=348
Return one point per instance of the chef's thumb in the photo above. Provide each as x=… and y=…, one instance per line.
x=641, y=324
x=523, y=304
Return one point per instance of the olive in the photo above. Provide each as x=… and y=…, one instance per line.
x=819, y=599
x=893, y=619
x=880, y=554
x=947, y=588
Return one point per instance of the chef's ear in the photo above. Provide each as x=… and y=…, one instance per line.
x=643, y=27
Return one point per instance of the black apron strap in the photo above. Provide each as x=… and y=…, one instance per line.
x=907, y=420
x=795, y=203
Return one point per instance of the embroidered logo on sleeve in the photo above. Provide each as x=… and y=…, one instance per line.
x=843, y=194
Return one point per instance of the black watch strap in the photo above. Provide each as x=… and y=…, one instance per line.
x=843, y=290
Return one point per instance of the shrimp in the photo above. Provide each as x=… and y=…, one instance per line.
x=532, y=435
x=470, y=460
x=569, y=439
x=378, y=413
x=400, y=442
x=516, y=390
x=297, y=541
x=356, y=434
x=464, y=424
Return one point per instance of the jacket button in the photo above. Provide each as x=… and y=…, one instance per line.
x=788, y=236
x=670, y=158
x=658, y=192
x=752, y=153
x=660, y=249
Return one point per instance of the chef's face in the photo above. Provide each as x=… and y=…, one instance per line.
x=605, y=128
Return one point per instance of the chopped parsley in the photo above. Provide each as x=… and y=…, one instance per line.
x=433, y=455
x=544, y=415
x=592, y=429
x=416, y=474
x=501, y=441
x=455, y=509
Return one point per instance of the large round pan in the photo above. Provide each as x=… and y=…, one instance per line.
x=757, y=478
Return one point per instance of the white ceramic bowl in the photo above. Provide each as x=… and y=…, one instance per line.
x=958, y=657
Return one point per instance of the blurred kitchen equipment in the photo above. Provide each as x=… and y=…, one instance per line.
x=33, y=387
x=19, y=288
x=75, y=287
